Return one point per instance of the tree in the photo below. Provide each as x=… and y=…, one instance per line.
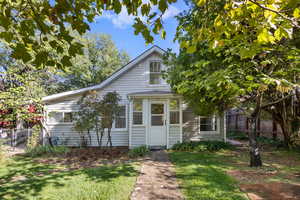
x=84, y=121
x=230, y=56
x=97, y=113
x=99, y=60
x=109, y=109
x=21, y=21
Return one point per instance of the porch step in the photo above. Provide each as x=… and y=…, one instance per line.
x=157, y=147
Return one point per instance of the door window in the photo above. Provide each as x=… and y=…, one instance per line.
x=157, y=114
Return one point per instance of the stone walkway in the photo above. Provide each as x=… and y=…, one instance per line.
x=157, y=179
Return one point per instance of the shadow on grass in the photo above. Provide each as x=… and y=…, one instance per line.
x=24, y=179
x=203, y=176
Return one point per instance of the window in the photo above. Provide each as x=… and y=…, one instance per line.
x=157, y=114
x=174, y=111
x=208, y=124
x=120, y=121
x=155, y=73
x=68, y=117
x=60, y=117
x=138, y=112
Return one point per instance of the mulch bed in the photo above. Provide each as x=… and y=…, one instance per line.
x=87, y=157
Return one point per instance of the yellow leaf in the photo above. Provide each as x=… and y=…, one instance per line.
x=296, y=13
x=218, y=21
x=184, y=44
x=265, y=37
x=201, y=2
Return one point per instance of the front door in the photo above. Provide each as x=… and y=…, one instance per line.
x=157, y=132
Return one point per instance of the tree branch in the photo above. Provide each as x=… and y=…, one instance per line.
x=295, y=23
x=278, y=101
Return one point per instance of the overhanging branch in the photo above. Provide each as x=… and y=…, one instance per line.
x=294, y=22
x=278, y=101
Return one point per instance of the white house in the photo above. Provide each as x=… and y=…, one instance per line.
x=152, y=115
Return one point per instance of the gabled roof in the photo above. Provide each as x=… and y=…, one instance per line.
x=107, y=81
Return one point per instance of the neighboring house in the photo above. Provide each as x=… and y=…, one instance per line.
x=152, y=115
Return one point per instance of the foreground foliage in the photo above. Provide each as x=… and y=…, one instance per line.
x=138, y=151
x=47, y=150
x=240, y=54
x=23, y=178
x=30, y=26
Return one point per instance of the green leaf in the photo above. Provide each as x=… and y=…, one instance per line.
x=117, y=6
x=162, y=5
x=66, y=61
x=249, y=78
x=145, y=9
x=191, y=49
x=163, y=34
x=20, y=52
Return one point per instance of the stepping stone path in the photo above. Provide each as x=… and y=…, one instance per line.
x=157, y=179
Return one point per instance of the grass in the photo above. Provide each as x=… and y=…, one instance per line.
x=205, y=175
x=202, y=177
x=22, y=178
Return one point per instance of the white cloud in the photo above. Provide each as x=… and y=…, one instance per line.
x=171, y=12
x=123, y=20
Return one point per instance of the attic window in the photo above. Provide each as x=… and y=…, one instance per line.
x=155, y=73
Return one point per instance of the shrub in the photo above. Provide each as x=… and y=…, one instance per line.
x=138, y=151
x=46, y=150
x=238, y=135
x=33, y=139
x=2, y=154
x=268, y=141
x=201, y=146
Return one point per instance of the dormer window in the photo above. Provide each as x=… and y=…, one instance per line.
x=155, y=73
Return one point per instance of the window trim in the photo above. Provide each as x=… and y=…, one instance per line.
x=143, y=123
x=172, y=110
x=63, y=116
x=162, y=81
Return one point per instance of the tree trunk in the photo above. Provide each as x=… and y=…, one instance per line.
x=90, y=137
x=109, y=137
x=255, y=159
x=41, y=124
x=274, y=131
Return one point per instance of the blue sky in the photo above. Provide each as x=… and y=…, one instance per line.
x=120, y=28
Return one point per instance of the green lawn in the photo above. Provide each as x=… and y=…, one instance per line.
x=21, y=178
x=202, y=177
x=205, y=176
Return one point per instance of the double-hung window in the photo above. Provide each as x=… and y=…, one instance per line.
x=120, y=121
x=55, y=117
x=155, y=73
x=137, y=112
x=174, y=111
x=208, y=123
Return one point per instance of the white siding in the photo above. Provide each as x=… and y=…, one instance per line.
x=174, y=135
x=138, y=136
x=134, y=80
x=68, y=136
